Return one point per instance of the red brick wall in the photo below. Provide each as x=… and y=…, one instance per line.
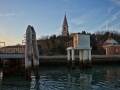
x=112, y=50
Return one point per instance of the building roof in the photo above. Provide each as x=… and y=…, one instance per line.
x=110, y=41
x=65, y=21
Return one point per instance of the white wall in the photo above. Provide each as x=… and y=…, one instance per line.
x=83, y=40
x=75, y=40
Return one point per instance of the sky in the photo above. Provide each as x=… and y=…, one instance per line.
x=46, y=16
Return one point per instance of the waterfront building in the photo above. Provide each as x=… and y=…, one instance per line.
x=81, y=43
x=12, y=49
x=111, y=46
x=65, y=27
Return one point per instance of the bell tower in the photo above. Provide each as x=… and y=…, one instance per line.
x=65, y=27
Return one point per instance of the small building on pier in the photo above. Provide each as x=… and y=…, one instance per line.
x=81, y=43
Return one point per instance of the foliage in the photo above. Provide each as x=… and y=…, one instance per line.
x=102, y=36
x=55, y=45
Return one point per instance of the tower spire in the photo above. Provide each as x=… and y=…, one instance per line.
x=65, y=21
x=65, y=27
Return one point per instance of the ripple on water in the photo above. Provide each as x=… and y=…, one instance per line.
x=60, y=78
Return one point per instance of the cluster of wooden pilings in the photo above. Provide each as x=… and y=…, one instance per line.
x=31, y=52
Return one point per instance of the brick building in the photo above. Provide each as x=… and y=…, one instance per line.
x=112, y=47
x=13, y=49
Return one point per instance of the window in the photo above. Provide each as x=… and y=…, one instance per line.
x=116, y=50
x=64, y=28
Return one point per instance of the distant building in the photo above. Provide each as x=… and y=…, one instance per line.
x=65, y=27
x=12, y=49
x=112, y=47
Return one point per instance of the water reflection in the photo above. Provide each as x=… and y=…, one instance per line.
x=61, y=78
x=1, y=76
x=81, y=78
x=34, y=85
x=113, y=76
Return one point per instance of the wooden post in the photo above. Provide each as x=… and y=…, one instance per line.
x=31, y=45
x=28, y=53
x=35, y=53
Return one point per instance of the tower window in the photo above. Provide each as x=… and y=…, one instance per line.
x=64, y=28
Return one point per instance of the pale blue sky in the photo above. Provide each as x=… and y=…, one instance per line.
x=46, y=16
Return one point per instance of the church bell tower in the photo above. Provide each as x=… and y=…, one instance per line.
x=65, y=27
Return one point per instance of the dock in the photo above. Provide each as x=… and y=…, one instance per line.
x=94, y=58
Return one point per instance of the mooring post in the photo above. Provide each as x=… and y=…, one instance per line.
x=28, y=53
x=35, y=54
x=73, y=59
x=68, y=57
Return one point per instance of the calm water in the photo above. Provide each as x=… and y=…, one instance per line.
x=60, y=78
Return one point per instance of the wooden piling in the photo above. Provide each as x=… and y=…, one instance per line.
x=35, y=53
x=27, y=73
x=36, y=71
x=28, y=53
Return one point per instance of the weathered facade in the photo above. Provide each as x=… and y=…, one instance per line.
x=12, y=49
x=112, y=47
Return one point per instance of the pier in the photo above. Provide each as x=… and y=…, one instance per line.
x=94, y=58
x=15, y=61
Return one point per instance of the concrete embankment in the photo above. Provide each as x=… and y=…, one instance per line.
x=106, y=59
x=12, y=65
x=96, y=59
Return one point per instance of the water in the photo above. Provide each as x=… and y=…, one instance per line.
x=60, y=78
